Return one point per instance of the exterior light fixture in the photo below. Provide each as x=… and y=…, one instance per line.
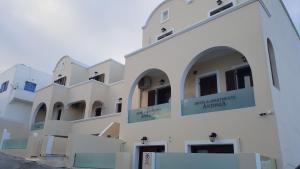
x=162, y=81
x=212, y=137
x=144, y=140
x=59, y=75
x=244, y=59
x=195, y=72
x=120, y=99
x=96, y=73
x=219, y=2
x=163, y=29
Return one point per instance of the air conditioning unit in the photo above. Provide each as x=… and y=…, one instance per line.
x=145, y=83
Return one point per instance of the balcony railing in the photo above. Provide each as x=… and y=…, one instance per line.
x=15, y=144
x=150, y=113
x=236, y=99
x=99, y=160
x=38, y=126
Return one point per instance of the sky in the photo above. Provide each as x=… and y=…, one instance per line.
x=38, y=33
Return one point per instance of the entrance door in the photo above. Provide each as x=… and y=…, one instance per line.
x=142, y=149
x=223, y=149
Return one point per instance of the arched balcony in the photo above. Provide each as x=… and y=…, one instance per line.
x=58, y=110
x=39, y=117
x=75, y=111
x=150, y=97
x=217, y=79
x=97, y=109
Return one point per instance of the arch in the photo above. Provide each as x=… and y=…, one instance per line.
x=40, y=113
x=152, y=13
x=58, y=110
x=75, y=111
x=97, y=109
x=211, y=53
x=273, y=65
x=155, y=73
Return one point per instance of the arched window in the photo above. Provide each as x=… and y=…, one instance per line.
x=273, y=64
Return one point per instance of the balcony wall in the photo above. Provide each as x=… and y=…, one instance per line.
x=57, y=128
x=80, y=143
x=94, y=125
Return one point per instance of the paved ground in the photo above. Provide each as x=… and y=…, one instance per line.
x=10, y=162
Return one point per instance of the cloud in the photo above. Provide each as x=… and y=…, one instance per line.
x=90, y=31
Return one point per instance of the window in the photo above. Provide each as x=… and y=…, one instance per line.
x=119, y=108
x=208, y=85
x=159, y=96
x=273, y=66
x=223, y=8
x=98, y=111
x=165, y=16
x=61, y=81
x=218, y=148
x=239, y=78
x=165, y=35
x=99, y=78
x=4, y=86
x=30, y=86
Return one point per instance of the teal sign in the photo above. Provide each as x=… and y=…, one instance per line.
x=38, y=126
x=96, y=160
x=14, y=144
x=150, y=113
x=219, y=102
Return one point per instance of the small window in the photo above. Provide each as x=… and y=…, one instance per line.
x=165, y=15
x=119, y=108
x=273, y=66
x=99, y=78
x=30, y=86
x=98, y=111
x=223, y=8
x=61, y=81
x=165, y=35
x=208, y=85
x=4, y=86
x=239, y=78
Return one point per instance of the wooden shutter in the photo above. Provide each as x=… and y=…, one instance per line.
x=151, y=98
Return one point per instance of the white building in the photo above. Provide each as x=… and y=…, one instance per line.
x=17, y=89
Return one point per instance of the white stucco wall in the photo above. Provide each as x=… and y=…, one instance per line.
x=286, y=43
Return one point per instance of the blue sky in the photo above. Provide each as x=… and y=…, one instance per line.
x=39, y=32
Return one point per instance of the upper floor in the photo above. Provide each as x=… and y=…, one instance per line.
x=20, y=82
x=68, y=72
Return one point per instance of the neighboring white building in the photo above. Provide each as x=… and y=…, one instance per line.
x=17, y=89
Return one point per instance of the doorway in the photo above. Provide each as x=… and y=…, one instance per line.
x=139, y=149
x=156, y=149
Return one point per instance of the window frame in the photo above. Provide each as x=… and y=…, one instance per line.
x=203, y=75
x=156, y=92
x=4, y=86
x=30, y=83
x=235, y=67
x=162, y=20
x=116, y=106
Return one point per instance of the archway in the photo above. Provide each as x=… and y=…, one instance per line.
x=217, y=79
x=97, y=109
x=150, y=96
x=75, y=111
x=58, y=110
